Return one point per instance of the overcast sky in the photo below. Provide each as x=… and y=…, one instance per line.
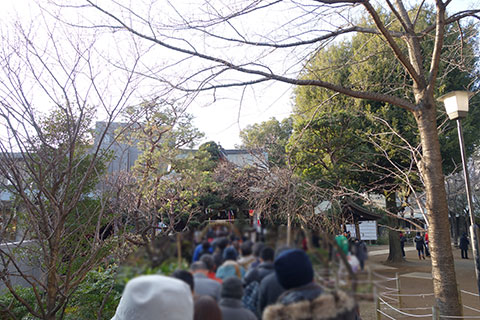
x=221, y=120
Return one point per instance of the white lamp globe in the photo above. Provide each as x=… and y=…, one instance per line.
x=456, y=103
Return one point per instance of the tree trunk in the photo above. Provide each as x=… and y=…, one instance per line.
x=52, y=284
x=395, y=250
x=179, y=250
x=357, y=231
x=443, y=269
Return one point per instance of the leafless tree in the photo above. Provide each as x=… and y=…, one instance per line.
x=218, y=38
x=53, y=82
x=457, y=198
x=158, y=195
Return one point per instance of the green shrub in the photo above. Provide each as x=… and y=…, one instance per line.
x=101, y=287
x=15, y=307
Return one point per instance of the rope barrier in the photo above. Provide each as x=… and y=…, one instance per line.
x=386, y=315
x=410, y=295
x=382, y=276
x=390, y=298
x=470, y=293
x=386, y=290
x=404, y=313
x=385, y=287
x=393, y=294
x=460, y=317
x=363, y=281
x=391, y=289
x=471, y=308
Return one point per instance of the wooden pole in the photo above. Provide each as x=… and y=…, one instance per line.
x=377, y=303
x=289, y=229
x=434, y=313
x=397, y=280
x=179, y=250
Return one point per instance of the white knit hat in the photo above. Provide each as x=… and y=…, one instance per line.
x=155, y=297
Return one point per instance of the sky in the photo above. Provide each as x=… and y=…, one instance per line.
x=222, y=118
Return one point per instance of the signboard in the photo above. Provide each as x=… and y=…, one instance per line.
x=368, y=230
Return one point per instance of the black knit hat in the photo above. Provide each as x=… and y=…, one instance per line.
x=293, y=268
x=232, y=287
x=230, y=254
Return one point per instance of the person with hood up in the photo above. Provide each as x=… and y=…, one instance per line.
x=304, y=299
x=420, y=244
x=361, y=252
x=464, y=245
x=230, y=267
x=231, y=303
x=155, y=297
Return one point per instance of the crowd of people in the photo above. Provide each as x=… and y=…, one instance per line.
x=229, y=279
x=355, y=250
x=422, y=245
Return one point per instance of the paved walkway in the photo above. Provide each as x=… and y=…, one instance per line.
x=385, y=251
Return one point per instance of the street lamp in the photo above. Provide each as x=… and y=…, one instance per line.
x=456, y=106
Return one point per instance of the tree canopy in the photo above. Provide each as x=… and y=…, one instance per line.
x=269, y=136
x=370, y=145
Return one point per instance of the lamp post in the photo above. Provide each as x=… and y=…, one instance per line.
x=456, y=106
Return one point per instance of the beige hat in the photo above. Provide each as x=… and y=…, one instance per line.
x=155, y=297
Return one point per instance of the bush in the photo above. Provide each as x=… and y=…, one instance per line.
x=100, y=291
x=16, y=308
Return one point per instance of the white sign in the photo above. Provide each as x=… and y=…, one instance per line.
x=368, y=230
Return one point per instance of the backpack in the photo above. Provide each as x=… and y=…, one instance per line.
x=250, y=297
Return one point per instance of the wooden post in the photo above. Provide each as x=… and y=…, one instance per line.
x=179, y=250
x=369, y=278
x=369, y=275
x=357, y=230
x=434, y=313
x=460, y=296
x=397, y=280
x=336, y=271
x=377, y=303
x=289, y=229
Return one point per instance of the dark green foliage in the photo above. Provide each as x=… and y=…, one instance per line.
x=100, y=291
x=15, y=307
x=269, y=136
x=367, y=145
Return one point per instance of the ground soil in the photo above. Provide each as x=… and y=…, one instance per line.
x=419, y=285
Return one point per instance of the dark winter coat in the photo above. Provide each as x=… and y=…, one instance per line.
x=233, y=309
x=270, y=290
x=206, y=286
x=419, y=242
x=218, y=257
x=307, y=292
x=335, y=306
x=464, y=242
x=258, y=273
x=361, y=251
